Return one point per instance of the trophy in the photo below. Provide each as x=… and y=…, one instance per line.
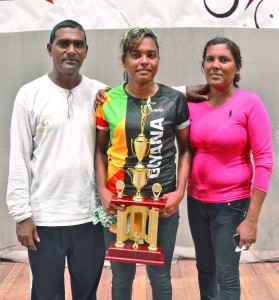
x=139, y=209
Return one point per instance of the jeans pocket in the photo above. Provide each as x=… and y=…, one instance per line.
x=239, y=206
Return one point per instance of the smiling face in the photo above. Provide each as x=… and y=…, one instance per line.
x=142, y=62
x=68, y=51
x=219, y=66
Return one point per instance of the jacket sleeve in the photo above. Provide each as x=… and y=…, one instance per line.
x=21, y=147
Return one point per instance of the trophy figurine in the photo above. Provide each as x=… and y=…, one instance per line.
x=138, y=209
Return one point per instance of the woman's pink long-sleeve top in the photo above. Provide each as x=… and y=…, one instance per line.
x=223, y=139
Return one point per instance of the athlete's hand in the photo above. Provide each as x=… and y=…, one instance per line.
x=173, y=200
x=105, y=196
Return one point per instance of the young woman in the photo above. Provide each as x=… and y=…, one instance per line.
x=119, y=121
x=224, y=194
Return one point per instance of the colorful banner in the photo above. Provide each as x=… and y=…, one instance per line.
x=30, y=15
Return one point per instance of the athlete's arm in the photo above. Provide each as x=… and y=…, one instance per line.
x=101, y=165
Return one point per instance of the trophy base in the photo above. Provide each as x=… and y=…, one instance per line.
x=145, y=201
x=142, y=254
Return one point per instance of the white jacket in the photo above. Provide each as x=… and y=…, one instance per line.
x=51, y=174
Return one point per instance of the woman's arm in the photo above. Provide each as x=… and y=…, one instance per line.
x=260, y=138
x=193, y=93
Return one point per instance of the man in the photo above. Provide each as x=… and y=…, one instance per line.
x=51, y=178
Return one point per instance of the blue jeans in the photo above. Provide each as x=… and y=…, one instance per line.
x=160, y=277
x=212, y=227
x=84, y=247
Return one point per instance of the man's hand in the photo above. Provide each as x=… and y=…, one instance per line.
x=100, y=96
x=197, y=93
x=27, y=234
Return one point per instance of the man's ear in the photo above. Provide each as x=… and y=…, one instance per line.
x=86, y=51
x=49, y=49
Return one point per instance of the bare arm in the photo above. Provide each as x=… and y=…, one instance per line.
x=194, y=93
x=100, y=96
x=184, y=167
x=197, y=93
x=101, y=165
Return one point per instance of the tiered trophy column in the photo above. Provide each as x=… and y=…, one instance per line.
x=138, y=209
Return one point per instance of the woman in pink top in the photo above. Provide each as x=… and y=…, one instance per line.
x=225, y=191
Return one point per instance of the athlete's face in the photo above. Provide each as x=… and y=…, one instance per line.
x=142, y=63
x=68, y=50
x=219, y=66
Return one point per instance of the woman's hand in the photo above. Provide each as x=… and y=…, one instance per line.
x=247, y=230
x=173, y=199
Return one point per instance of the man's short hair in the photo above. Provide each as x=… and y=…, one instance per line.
x=66, y=24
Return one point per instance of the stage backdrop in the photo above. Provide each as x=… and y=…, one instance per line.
x=183, y=28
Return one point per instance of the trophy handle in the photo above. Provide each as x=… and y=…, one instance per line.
x=130, y=172
x=148, y=150
x=132, y=148
x=149, y=172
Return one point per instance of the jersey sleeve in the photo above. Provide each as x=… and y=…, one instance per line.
x=182, y=113
x=101, y=122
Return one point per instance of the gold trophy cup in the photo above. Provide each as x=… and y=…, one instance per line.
x=139, y=176
x=140, y=147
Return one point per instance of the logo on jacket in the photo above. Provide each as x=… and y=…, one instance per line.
x=160, y=109
x=45, y=124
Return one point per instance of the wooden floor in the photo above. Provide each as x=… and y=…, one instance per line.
x=259, y=281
